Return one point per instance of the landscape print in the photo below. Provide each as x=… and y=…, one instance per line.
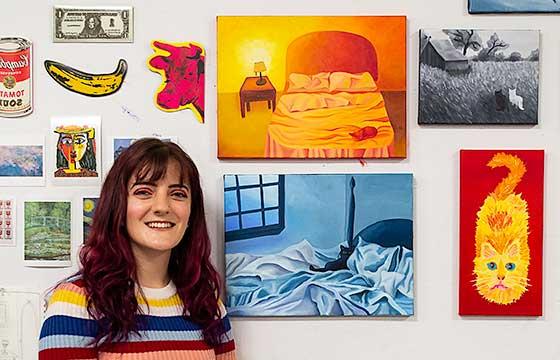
x=47, y=233
x=23, y=160
x=478, y=77
x=120, y=144
x=291, y=251
x=513, y=6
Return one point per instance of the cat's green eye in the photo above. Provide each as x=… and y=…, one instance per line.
x=510, y=266
x=491, y=265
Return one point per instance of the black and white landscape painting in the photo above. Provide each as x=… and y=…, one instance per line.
x=478, y=77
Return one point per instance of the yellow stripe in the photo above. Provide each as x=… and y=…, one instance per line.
x=172, y=301
x=68, y=296
x=72, y=297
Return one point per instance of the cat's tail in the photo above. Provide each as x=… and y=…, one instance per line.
x=516, y=169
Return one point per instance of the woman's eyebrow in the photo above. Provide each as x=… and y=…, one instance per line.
x=183, y=186
x=149, y=183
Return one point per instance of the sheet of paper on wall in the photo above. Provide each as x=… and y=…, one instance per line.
x=89, y=203
x=22, y=160
x=123, y=142
x=93, y=23
x=75, y=151
x=47, y=233
x=181, y=66
x=8, y=222
x=19, y=324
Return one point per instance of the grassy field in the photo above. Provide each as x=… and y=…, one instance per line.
x=469, y=98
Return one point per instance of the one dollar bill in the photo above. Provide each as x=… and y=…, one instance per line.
x=93, y=24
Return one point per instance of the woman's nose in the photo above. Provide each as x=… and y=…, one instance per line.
x=161, y=203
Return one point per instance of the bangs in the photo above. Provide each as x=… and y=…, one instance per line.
x=153, y=166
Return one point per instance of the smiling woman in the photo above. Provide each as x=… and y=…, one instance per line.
x=147, y=288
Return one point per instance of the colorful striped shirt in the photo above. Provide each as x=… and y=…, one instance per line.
x=164, y=333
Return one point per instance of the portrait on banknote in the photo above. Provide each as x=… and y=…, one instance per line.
x=93, y=24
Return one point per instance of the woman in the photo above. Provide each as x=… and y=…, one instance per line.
x=146, y=288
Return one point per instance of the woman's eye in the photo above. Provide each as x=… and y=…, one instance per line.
x=142, y=192
x=180, y=194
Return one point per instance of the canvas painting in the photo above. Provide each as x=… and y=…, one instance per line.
x=76, y=150
x=501, y=228
x=7, y=222
x=88, y=209
x=22, y=161
x=311, y=86
x=47, y=233
x=478, y=77
x=513, y=6
x=292, y=251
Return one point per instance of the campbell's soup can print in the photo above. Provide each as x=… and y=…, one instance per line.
x=15, y=77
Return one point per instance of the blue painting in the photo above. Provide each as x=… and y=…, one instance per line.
x=319, y=245
x=21, y=160
x=514, y=6
x=121, y=144
x=88, y=207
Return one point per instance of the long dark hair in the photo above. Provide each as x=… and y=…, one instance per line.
x=108, y=265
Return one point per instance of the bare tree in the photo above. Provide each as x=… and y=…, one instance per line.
x=464, y=39
x=534, y=56
x=495, y=44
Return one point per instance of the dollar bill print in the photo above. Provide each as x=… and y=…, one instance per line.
x=93, y=24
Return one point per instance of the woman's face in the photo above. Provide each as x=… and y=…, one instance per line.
x=158, y=213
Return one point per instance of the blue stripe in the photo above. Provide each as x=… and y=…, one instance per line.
x=67, y=325
x=64, y=341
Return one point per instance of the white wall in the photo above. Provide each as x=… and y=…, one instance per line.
x=436, y=331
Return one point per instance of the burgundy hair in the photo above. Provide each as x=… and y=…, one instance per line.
x=108, y=265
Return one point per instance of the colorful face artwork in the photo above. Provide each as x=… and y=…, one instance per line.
x=76, y=151
x=181, y=66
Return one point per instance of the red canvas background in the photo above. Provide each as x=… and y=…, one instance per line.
x=477, y=181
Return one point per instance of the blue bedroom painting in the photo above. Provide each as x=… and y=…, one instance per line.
x=514, y=6
x=319, y=245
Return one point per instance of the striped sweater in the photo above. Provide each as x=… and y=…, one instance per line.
x=164, y=333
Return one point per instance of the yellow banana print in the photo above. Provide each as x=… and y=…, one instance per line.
x=87, y=84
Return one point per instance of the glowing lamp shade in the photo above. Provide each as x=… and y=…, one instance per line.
x=259, y=68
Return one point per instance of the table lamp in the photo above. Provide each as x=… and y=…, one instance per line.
x=259, y=68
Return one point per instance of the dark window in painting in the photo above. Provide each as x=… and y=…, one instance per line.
x=253, y=206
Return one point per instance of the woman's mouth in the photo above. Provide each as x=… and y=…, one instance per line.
x=160, y=224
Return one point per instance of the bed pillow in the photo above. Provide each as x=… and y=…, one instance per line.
x=343, y=81
x=308, y=83
x=302, y=102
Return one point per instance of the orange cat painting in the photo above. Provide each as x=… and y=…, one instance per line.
x=502, y=253
x=501, y=197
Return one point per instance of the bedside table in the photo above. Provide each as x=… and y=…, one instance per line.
x=250, y=92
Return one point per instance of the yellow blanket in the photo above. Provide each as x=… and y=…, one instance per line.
x=330, y=127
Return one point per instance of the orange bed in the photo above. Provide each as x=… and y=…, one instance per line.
x=330, y=122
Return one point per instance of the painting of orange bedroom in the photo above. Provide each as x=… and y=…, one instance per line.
x=311, y=87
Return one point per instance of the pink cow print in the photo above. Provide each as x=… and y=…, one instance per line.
x=182, y=67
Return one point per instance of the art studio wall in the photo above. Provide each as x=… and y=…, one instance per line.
x=435, y=331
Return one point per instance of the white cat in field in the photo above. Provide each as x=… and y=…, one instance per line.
x=515, y=99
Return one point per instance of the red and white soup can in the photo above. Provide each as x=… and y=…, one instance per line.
x=15, y=77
